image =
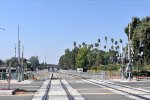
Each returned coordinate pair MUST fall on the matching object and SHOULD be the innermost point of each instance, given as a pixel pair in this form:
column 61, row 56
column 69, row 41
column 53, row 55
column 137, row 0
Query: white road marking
column 115, row 91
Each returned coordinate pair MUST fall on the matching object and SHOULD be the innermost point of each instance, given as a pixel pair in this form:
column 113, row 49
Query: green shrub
column 110, row 67
column 147, row 67
column 94, row 68
column 141, row 73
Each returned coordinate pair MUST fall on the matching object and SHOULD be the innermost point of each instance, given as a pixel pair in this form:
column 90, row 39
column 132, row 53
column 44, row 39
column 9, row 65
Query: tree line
column 32, row 63
column 91, row 55
column 140, row 41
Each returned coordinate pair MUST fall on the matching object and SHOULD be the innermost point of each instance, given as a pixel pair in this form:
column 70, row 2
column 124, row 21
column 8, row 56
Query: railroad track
column 56, row 88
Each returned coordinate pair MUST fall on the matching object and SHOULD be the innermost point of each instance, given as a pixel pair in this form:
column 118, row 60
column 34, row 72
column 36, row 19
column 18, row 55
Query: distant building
column 4, row 72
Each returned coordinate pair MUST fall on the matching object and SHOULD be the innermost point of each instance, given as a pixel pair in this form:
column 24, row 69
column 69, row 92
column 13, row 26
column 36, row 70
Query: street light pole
column 122, row 69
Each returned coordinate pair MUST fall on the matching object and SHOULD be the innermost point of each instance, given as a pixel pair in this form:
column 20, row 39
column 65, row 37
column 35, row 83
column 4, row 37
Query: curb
column 8, row 92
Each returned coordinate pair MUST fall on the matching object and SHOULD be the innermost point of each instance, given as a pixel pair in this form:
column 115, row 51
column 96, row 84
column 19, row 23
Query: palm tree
column 83, row 44
column 79, row 45
column 91, row 45
column 99, row 43
column 118, row 47
column 121, row 46
column 116, row 42
column 112, row 40
column 120, row 40
column 106, row 42
column 105, row 47
column 74, row 43
column 112, row 47
column 96, row 44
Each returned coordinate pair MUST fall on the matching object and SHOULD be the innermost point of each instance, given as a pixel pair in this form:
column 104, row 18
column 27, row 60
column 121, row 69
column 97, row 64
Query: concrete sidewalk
column 127, row 81
column 7, row 91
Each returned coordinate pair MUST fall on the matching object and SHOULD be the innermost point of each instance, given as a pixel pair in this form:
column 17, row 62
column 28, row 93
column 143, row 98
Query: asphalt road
column 87, row 90
column 92, row 92
column 34, row 86
column 138, row 84
column 31, row 88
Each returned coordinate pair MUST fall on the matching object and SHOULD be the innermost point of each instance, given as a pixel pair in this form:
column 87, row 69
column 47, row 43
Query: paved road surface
column 86, row 89
column 92, row 92
column 33, row 86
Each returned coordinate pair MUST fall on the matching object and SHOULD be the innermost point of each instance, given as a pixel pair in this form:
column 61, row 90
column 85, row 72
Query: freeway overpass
column 53, row 67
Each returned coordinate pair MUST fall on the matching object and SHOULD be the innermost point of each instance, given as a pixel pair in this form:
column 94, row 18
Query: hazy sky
column 48, row 27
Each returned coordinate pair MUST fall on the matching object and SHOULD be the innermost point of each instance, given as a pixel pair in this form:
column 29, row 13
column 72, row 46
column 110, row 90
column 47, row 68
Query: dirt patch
column 20, row 92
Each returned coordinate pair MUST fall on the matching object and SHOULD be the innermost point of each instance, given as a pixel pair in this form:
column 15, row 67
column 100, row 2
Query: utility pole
column 22, row 67
column 19, row 65
column 45, row 62
column 15, row 49
column 45, row 59
column 9, row 75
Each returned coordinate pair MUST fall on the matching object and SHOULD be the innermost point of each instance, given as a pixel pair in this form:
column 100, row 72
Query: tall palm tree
column 99, row 43
column 79, row 45
column 105, row 47
column 106, row 42
column 74, row 54
column 112, row 47
column 116, row 42
column 121, row 47
column 91, row 45
column 112, row 40
column 118, row 47
column 83, row 44
column 121, row 42
column 96, row 45
column 74, row 43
